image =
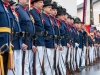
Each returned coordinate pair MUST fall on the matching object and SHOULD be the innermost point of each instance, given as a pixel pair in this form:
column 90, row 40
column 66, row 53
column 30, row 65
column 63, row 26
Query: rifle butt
column 23, row 61
column 34, row 64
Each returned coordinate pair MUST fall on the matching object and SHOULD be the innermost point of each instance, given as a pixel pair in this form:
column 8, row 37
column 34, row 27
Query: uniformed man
column 49, row 39
column 75, row 41
column 99, row 45
column 65, row 14
column 91, row 48
column 96, row 45
column 72, row 43
column 94, row 52
column 27, row 26
column 5, row 30
column 67, row 20
column 73, row 32
column 39, row 28
column 80, row 46
column 69, row 49
column 63, row 34
column 16, row 39
column 57, row 39
column 84, row 37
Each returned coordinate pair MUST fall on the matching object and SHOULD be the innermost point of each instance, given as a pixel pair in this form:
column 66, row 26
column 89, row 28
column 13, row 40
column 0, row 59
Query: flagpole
column 91, row 13
column 84, row 11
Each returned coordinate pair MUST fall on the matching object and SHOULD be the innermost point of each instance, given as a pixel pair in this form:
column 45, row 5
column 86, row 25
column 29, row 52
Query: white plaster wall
column 70, row 5
column 80, row 14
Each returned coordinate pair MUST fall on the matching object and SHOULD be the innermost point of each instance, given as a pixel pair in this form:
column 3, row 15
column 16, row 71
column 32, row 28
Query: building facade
column 96, row 12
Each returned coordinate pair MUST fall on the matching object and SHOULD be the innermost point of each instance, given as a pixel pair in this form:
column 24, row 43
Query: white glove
column 93, row 40
column 76, row 44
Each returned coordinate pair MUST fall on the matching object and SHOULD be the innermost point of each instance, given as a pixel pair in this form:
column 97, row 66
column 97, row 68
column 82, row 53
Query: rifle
column 82, row 49
column 70, row 63
column 24, row 52
column 61, row 65
column 71, row 69
column 56, row 39
column 34, row 64
column 77, row 69
column 43, row 72
column 97, row 58
column 55, row 63
column 86, row 49
column 97, row 54
column 94, row 56
column 66, row 63
column 58, row 69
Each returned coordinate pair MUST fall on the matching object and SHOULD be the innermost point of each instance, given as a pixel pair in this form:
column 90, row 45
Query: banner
column 88, row 28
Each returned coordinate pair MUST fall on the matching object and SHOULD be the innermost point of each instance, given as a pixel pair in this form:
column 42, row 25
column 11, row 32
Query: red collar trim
column 12, row 9
column 52, row 17
column 25, row 8
column 17, row 13
column 58, row 21
column 6, row 4
column 38, row 11
column 46, row 15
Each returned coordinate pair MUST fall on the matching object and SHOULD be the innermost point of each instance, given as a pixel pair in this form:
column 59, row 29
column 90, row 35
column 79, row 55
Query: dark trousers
column 5, row 62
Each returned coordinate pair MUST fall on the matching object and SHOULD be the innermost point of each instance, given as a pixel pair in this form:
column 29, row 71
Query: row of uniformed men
column 96, row 52
column 41, row 34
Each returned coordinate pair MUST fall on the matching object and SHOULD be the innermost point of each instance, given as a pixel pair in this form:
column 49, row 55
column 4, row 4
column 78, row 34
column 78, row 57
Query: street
column 91, row 70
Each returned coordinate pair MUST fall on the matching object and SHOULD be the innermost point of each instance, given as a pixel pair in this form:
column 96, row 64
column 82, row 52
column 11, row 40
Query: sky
column 79, row 2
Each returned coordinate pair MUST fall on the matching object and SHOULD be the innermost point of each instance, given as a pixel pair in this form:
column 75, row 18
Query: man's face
column 48, row 9
column 39, row 4
column 94, row 31
column 83, row 27
column 79, row 25
column 54, row 12
column 7, row 0
column 72, row 21
column 68, row 20
column 75, row 25
column 65, row 17
column 98, row 33
column 25, row 2
column 61, row 17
